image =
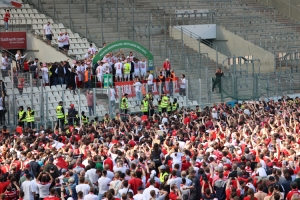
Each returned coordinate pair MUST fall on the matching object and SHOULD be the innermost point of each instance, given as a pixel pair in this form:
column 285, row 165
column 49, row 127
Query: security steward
column 164, row 103
column 21, row 116
column 172, row 79
column 60, row 114
column 162, row 173
column 145, row 106
column 161, row 79
column 84, row 119
column 174, row 105
column 30, row 118
column 124, row 104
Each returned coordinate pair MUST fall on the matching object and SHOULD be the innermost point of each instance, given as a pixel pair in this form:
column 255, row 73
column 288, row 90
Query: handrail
column 206, row 42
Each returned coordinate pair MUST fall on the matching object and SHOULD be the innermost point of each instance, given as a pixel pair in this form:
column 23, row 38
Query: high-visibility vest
column 162, row 176
column 159, row 108
column 20, row 113
column 149, row 96
column 174, row 106
column 84, row 120
column 127, row 67
column 30, row 116
column 59, row 112
column 169, row 107
column 50, row 73
column 145, row 106
column 86, row 76
column 106, row 119
column 164, row 102
column 124, row 105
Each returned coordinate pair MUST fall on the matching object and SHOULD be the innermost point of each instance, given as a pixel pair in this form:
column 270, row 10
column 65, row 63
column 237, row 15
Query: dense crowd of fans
column 250, row 151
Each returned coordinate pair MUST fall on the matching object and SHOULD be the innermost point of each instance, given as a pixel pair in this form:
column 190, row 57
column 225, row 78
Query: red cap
column 27, row 166
column 72, row 105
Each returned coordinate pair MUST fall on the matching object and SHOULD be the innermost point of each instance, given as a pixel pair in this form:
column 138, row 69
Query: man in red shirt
column 167, row 67
column 294, row 191
column 5, row 19
column 134, row 182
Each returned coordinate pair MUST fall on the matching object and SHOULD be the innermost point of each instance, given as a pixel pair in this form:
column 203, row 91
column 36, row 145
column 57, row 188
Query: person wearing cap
column 60, row 114
column 127, row 69
column 124, row 104
column 30, row 118
column 164, row 103
column 60, row 41
column 145, row 106
column 72, row 114
column 21, row 116
column 162, row 173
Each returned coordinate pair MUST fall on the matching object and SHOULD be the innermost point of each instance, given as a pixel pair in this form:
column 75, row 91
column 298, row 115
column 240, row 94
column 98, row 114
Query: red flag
column 16, row 4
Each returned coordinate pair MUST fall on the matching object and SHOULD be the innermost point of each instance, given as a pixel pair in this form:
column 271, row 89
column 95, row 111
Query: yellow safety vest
column 124, row 105
column 145, row 106
column 174, row 106
column 169, row 107
column 164, row 102
column 127, row 67
column 149, row 96
column 162, row 177
column 30, row 116
column 84, row 119
column 50, row 73
column 21, row 115
column 59, row 112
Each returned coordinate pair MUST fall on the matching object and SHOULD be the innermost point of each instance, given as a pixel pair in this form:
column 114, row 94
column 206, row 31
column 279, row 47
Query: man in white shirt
column 92, row 49
column 138, row 92
column 139, row 195
column 82, row 186
column 45, row 71
column 4, row 65
column 136, row 68
column 60, row 41
column 112, row 95
column 120, row 167
column 176, row 158
column 147, row 191
column 143, row 68
column 182, row 85
column 27, row 188
column 174, row 179
column 125, row 189
column 103, row 184
column 80, row 72
column 91, row 173
column 91, row 195
column 66, row 43
column 48, row 32
column 118, row 67
column 150, row 81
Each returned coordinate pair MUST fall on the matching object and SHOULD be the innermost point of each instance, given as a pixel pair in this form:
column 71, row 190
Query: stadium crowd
column 250, row 151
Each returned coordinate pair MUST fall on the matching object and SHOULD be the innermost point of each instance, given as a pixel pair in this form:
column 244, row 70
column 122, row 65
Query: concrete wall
column 36, row 48
column 194, row 44
column 237, row 46
column 289, row 8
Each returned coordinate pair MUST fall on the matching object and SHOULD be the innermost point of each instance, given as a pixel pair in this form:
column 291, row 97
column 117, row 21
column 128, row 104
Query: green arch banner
column 126, row 44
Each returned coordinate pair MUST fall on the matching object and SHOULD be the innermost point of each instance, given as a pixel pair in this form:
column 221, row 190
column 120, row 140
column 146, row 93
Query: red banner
column 127, row 87
column 13, row 40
